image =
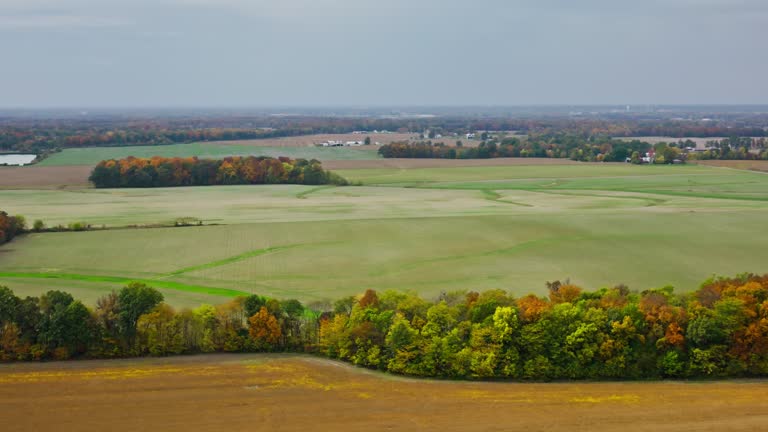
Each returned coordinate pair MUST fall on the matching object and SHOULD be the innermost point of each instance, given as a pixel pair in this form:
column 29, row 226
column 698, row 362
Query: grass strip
column 224, row 292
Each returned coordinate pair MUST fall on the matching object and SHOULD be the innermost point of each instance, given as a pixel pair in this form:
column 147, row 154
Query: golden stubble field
column 286, row 393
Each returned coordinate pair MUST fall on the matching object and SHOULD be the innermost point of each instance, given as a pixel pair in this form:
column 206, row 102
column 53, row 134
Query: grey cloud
column 288, row 52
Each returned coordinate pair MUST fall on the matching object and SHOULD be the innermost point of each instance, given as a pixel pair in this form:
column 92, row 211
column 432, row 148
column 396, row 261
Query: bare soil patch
column 273, row 392
column 311, row 140
column 44, row 177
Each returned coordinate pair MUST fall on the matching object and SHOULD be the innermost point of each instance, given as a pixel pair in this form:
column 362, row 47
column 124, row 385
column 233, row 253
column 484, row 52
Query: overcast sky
column 213, row 53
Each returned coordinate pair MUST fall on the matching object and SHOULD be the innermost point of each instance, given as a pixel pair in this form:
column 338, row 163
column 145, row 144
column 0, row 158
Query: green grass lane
column 224, row 292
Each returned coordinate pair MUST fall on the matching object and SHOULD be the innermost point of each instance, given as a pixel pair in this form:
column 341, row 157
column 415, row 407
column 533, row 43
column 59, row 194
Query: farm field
column 471, row 228
column 76, row 176
column 284, row 392
column 37, row 177
column 311, row 140
column 752, row 165
column 91, row 156
column 295, row 147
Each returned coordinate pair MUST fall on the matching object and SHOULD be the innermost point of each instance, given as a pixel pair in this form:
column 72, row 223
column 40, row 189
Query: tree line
column 11, row 226
column 579, row 148
column 165, row 172
column 719, row 330
column 33, row 134
column 39, row 135
column 550, row 146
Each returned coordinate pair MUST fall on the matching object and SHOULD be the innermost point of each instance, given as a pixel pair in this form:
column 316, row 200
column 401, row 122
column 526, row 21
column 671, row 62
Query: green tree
column 253, row 303
column 65, row 325
column 38, row 225
column 133, row 301
column 9, row 303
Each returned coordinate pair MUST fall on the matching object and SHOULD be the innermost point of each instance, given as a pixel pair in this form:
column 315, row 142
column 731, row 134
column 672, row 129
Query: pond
column 16, row 159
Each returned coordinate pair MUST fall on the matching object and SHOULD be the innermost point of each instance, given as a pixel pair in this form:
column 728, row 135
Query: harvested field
column 76, row 176
column 468, row 228
column 751, row 165
column 40, row 177
column 284, row 392
column 92, row 155
column 446, row 163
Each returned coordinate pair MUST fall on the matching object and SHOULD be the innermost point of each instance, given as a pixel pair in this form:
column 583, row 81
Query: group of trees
column 11, row 226
column 163, row 172
column 544, row 146
column 134, row 321
column 720, row 330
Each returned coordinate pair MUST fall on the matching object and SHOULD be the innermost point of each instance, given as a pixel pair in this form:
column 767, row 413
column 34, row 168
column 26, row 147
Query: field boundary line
column 492, row 195
column 231, row 260
column 651, row 202
column 304, row 194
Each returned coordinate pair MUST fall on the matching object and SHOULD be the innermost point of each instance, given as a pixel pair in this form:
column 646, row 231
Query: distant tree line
column 550, row 146
column 165, row 172
column 579, row 148
column 39, row 135
column 720, row 330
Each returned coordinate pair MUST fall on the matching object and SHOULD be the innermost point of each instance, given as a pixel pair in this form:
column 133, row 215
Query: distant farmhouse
column 332, row 143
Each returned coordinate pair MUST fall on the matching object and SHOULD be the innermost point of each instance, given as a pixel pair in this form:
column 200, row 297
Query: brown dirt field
column 442, row 163
column 310, row 140
column 759, row 165
column 44, row 177
column 288, row 393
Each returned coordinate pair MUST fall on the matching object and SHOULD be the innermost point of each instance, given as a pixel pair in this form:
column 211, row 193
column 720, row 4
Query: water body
column 16, row 159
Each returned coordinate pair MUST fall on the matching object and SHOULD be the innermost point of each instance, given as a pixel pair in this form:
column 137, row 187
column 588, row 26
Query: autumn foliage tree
column 165, row 172
column 11, row 226
column 264, row 329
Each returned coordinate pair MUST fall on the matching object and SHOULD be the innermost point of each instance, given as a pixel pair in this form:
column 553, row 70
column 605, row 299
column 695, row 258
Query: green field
column 428, row 230
column 92, row 155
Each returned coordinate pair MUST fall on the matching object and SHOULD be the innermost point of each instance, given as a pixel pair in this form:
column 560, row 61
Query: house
column 649, row 157
column 470, row 136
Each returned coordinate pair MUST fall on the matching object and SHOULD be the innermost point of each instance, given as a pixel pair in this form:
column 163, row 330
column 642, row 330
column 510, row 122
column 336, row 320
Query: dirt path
column 288, row 393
